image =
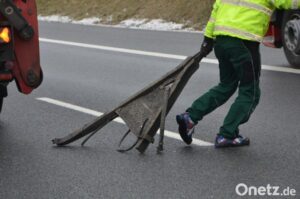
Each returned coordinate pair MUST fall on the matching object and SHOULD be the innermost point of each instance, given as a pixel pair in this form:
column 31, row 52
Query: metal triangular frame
column 144, row 113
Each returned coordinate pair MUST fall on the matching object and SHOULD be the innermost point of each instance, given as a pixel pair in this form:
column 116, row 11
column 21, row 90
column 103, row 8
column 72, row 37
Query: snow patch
column 132, row 23
column 154, row 24
column 56, row 18
column 66, row 19
column 88, row 21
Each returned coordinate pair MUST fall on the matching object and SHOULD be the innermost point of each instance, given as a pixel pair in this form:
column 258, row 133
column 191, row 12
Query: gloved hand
column 207, row 46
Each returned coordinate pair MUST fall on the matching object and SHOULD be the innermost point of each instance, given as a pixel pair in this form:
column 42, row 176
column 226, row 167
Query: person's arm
column 208, row 41
column 210, row 26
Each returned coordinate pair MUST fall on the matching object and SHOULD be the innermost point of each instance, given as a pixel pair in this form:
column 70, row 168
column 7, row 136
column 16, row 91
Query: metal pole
column 160, row 146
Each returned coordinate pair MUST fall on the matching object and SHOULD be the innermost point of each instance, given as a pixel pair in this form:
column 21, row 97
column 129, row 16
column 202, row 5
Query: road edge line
column 169, row 134
column 156, row 54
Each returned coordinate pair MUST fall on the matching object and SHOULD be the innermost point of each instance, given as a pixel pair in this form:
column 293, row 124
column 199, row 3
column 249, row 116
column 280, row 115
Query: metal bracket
column 145, row 112
column 167, row 91
column 12, row 13
column 135, row 143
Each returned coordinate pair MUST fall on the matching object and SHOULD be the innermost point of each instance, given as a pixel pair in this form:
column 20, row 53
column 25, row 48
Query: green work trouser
column 240, row 65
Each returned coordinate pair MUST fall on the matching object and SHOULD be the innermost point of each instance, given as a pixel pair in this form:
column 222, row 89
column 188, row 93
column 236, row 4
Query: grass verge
column 192, row 13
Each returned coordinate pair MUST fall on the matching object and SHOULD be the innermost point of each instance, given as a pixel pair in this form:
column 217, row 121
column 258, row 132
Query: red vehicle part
column 273, row 37
column 26, row 69
column 284, row 31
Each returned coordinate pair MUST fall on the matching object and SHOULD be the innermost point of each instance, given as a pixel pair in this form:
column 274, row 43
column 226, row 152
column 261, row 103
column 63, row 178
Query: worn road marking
column 156, row 54
column 119, row 120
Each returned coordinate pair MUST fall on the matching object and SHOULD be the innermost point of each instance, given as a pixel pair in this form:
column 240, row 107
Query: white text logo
column 245, row 190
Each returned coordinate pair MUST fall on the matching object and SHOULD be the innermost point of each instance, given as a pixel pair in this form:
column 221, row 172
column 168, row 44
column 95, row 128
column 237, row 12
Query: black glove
column 207, row 46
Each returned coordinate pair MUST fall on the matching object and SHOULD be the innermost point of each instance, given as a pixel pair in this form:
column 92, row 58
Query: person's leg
column 214, row 98
column 246, row 61
column 219, row 94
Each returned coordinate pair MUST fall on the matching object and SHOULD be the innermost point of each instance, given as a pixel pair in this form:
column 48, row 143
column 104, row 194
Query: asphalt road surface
column 87, row 77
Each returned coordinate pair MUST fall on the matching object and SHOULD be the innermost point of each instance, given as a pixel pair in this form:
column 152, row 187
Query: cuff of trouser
column 227, row 134
column 192, row 115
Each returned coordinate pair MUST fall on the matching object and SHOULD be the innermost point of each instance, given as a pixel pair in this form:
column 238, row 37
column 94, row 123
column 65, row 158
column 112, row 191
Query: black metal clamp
column 10, row 11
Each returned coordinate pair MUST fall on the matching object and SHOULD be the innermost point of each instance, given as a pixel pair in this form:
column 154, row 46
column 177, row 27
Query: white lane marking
column 108, row 48
column 118, row 120
column 156, row 54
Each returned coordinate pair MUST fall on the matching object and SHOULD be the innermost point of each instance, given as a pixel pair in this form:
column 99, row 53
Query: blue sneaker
column 222, row 142
column 186, row 127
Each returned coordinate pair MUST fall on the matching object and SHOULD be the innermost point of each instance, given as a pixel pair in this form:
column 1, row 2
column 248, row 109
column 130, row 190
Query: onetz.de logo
column 269, row 190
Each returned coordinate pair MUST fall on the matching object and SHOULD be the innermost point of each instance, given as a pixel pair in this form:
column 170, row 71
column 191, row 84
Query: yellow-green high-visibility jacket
column 245, row 19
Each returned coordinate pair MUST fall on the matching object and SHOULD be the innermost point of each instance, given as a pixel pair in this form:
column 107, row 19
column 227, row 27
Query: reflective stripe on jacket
column 245, row 19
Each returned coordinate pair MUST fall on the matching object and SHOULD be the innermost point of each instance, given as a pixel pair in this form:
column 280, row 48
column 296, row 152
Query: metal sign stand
column 145, row 112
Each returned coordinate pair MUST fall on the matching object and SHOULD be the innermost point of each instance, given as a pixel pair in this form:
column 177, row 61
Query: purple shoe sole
column 230, row 143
